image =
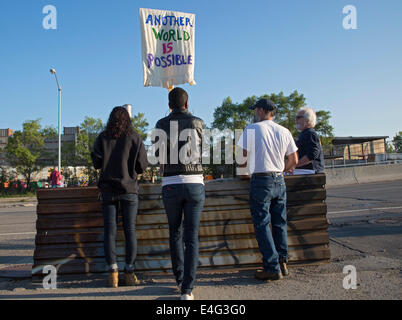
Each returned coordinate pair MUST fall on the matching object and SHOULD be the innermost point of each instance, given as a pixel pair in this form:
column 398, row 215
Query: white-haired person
column 309, row 147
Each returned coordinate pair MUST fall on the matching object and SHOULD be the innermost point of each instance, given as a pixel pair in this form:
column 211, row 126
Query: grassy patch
column 18, row 195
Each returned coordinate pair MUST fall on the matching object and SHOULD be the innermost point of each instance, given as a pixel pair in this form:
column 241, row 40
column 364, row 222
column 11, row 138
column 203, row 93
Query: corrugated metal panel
column 70, row 227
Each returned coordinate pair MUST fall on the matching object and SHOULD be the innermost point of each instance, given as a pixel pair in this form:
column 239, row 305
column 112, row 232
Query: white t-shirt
column 183, row 178
column 271, row 143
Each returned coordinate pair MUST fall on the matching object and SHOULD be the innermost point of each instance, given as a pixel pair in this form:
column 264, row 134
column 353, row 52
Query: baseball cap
column 265, row 104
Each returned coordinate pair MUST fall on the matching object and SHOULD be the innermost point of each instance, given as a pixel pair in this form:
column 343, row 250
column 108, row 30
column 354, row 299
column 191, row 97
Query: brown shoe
column 130, row 279
column 284, row 268
column 113, row 279
column 263, row 275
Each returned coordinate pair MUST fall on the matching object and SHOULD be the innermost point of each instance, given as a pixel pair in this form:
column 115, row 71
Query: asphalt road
column 365, row 232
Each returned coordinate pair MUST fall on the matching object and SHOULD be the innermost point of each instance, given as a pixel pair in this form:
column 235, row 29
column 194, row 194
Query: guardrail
column 363, row 174
column 70, row 228
column 347, row 165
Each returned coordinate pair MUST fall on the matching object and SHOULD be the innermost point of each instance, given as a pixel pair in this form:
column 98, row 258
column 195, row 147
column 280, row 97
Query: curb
column 18, row 200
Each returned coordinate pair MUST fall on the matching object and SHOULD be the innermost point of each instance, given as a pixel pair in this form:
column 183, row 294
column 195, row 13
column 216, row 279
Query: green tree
column 233, row 115
column 397, row 142
column 389, row 147
column 288, row 107
column 49, row 132
column 230, row 116
column 24, row 149
column 323, row 128
column 90, row 129
column 237, row 115
column 140, row 125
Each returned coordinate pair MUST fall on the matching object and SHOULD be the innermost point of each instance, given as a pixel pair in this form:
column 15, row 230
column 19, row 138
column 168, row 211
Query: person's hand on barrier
column 289, row 172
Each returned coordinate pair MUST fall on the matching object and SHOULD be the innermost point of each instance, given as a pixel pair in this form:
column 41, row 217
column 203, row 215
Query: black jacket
column 309, row 145
column 120, row 160
column 185, row 120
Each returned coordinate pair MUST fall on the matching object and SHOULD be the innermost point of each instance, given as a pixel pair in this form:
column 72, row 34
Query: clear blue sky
column 243, row 48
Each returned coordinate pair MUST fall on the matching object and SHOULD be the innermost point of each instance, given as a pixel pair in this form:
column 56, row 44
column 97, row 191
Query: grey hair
column 310, row 116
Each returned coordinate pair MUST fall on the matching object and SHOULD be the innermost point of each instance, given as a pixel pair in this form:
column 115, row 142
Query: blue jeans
column 189, row 199
column 268, row 205
column 110, row 207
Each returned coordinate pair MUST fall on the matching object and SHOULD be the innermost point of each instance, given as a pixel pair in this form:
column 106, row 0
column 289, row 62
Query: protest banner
column 168, row 47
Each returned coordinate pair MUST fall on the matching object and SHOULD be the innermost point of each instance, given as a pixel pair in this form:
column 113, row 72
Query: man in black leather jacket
column 182, row 187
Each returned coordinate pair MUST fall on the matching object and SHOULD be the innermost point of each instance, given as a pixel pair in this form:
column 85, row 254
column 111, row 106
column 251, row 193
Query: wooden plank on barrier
column 292, row 183
column 161, row 231
column 297, row 230
column 300, row 238
column 302, row 196
column 92, row 250
column 310, row 181
column 67, row 193
column 85, row 219
column 309, row 209
column 235, row 258
column 60, row 209
column 63, row 208
column 96, row 220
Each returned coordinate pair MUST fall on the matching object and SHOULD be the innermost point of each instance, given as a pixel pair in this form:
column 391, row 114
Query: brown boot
column 284, row 268
column 113, row 279
column 130, row 279
column 263, row 275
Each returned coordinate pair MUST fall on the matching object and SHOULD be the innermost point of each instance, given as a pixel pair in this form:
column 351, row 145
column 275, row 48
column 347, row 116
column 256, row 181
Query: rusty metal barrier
column 70, row 228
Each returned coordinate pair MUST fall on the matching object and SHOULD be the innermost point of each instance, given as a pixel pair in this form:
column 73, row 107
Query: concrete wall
column 363, row 174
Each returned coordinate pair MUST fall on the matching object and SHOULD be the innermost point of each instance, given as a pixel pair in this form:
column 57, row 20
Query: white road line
column 15, row 234
column 360, row 210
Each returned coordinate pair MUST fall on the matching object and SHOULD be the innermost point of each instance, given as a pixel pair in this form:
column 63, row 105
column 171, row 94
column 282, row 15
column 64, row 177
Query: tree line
column 26, row 147
column 26, row 152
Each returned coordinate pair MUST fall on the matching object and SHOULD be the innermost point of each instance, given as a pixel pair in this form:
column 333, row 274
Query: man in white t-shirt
column 266, row 143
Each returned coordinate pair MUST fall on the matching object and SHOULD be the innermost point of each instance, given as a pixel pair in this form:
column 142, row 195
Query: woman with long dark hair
column 120, row 154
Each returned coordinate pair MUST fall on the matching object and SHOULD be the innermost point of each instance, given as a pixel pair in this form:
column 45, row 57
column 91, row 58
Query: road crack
column 346, row 246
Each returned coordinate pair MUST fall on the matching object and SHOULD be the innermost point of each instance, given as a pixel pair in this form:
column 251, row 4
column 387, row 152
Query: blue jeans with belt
column 187, row 199
column 110, row 207
column 268, row 205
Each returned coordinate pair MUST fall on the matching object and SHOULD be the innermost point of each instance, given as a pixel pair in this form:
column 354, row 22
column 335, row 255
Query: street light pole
column 53, row 71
